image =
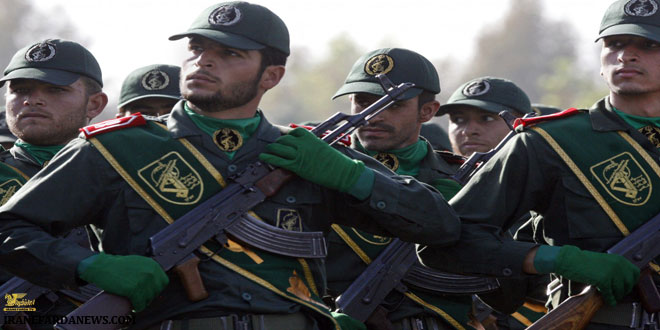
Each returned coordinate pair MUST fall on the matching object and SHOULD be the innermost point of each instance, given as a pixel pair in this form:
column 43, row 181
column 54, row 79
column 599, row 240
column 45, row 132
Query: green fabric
column 363, row 186
column 156, row 80
column 246, row 127
column 108, row 272
column 41, row 154
column 348, row 323
column 489, row 94
column 409, row 157
column 612, row 274
column 447, row 187
column 544, row 260
column 637, row 121
column 312, row 159
column 10, row 181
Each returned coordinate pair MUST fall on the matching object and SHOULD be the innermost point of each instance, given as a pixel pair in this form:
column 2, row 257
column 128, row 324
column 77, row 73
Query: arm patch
column 110, row 125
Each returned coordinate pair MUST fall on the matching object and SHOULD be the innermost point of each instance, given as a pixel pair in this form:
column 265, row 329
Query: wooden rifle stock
column 573, row 314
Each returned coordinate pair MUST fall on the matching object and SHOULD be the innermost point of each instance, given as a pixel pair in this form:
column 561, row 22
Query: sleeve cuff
column 362, row 188
column 544, row 261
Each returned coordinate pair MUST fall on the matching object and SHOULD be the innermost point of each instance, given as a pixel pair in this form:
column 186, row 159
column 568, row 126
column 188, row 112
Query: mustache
column 381, row 126
column 202, row 72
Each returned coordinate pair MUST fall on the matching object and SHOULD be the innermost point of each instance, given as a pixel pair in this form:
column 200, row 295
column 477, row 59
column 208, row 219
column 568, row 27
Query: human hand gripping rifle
column 640, row 248
column 175, row 246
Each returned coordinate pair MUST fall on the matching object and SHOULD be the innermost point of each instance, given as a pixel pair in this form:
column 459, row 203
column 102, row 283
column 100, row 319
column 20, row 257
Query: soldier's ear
column 95, row 104
column 271, row 76
column 428, row 110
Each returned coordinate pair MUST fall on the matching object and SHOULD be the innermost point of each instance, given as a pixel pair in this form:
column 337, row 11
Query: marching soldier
column 236, row 52
column 590, row 173
column 152, row 90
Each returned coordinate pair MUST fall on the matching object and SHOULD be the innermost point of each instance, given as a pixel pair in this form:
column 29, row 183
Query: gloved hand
column 613, row 275
column 138, row 278
column 312, row 159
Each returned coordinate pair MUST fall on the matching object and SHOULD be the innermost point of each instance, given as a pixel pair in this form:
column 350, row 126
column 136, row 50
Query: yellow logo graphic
column 372, row 239
column 298, row 288
column 624, row 179
column 289, row 219
column 173, row 179
column 389, row 160
column 15, row 303
column 379, row 64
column 652, row 133
column 7, row 189
column 228, row 139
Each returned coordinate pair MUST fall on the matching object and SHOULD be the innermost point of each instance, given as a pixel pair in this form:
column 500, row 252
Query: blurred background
column 545, row 46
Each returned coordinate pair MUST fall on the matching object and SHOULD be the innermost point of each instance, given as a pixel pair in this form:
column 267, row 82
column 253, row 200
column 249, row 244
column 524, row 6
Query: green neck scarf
column 637, row 121
column 409, row 157
column 245, row 127
column 41, row 154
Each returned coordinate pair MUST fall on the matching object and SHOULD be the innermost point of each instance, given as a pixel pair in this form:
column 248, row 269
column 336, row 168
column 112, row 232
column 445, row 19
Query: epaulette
column 531, row 121
column 344, row 140
column 450, row 157
column 110, row 125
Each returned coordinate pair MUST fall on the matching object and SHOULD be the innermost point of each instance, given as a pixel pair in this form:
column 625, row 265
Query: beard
column 234, row 96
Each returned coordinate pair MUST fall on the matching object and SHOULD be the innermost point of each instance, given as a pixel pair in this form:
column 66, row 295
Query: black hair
column 424, row 98
column 91, row 86
column 271, row 56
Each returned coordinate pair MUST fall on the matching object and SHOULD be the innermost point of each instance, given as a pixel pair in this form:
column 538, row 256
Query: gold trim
column 522, row 319
column 538, row 308
column 308, row 276
column 113, row 162
column 645, row 155
column 349, row 241
column 18, row 171
column 597, row 196
column 267, row 285
column 207, row 165
column 440, row 312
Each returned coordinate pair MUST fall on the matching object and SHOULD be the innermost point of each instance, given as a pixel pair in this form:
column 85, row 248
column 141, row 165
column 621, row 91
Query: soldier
column 151, row 90
column 590, row 173
column 393, row 138
column 474, row 125
column 236, row 52
column 7, row 139
column 50, row 95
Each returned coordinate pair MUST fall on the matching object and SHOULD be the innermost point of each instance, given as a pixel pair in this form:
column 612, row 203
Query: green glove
column 613, row 275
column 314, row 160
column 138, row 278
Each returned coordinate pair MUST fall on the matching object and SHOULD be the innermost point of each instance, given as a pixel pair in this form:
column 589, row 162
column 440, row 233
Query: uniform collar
column 603, row 118
column 433, row 165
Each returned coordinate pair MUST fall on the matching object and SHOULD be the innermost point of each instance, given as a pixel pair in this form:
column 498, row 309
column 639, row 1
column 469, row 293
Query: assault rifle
column 225, row 213
column 640, row 248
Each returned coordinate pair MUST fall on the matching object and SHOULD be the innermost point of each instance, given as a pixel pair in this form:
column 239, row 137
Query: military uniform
column 527, row 174
column 127, row 221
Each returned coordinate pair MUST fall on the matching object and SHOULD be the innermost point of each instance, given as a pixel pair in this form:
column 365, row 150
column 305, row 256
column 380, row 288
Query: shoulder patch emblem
column 155, row 80
column 652, row 133
column 623, row 179
column 379, row 64
column 225, row 15
column 390, row 161
column 133, row 120
column 640, row 8
column 372, row 239
column 173, row 179
column 289, row 219
column 531, row 121
column 228, row 139
column 7, row 189
column 476, row 88
column 41, row 52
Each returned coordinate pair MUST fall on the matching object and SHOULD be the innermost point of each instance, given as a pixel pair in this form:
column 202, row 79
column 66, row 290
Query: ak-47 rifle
column 175, row 246
column 397, row 265
column 640, row 248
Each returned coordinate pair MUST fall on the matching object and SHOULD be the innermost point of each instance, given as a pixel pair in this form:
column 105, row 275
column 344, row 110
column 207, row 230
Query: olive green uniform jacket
column 527, row 174
column 46, row 206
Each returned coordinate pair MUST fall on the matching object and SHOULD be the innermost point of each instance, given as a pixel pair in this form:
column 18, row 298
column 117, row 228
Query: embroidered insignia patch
column 173, row 179
column 41, row 52
column 476, row 88
column 7, row 189
column 228, row 139
column 298, row 288
column 624, row 179
column 372, row 239
column 155, row 80
column 640, row 8
column 289, row 219
column 225, row 15
column 652, row 133
column 379, row 64
column 390, row 161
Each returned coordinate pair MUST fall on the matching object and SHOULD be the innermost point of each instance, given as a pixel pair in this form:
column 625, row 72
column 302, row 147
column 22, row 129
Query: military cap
column 636, row 17
column 241, row 25
column 400, row 65
column 156, row 80
column 490, row 94
column 55, row 61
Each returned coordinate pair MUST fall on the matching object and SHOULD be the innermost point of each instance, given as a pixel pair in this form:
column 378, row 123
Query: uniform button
column 291, row 199
column 507, row 272
column 246, row 296
column 231, row 168
column 381, row 205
